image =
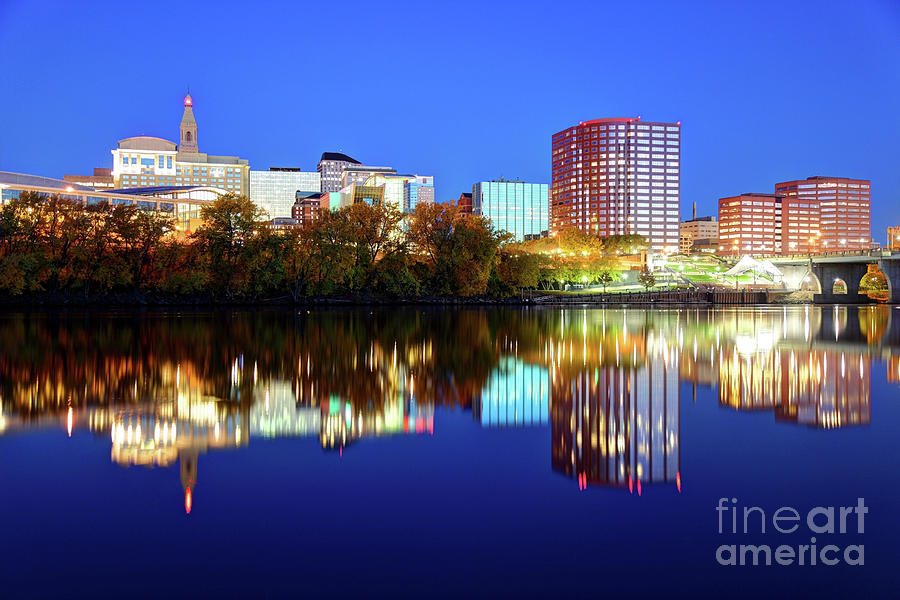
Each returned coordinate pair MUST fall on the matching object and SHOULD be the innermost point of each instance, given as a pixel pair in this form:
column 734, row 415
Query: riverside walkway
column 696, row 297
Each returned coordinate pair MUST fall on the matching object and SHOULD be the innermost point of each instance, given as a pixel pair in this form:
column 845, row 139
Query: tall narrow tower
column 188, row 140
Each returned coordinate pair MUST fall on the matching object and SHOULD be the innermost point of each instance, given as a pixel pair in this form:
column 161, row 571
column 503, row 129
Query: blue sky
column 465, row 91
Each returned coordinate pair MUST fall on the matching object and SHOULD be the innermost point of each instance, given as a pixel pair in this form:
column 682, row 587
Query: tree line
column 50, row 245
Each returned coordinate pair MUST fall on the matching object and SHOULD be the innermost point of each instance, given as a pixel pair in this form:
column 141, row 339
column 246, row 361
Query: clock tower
column 188, row 140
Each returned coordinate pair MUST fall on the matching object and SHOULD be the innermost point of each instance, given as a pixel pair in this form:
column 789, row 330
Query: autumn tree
column 374, row 232
column 457, row 250
column 520, row 270
column 230, row 233
column 140, row 235
column 625, row 244
column 573, row 240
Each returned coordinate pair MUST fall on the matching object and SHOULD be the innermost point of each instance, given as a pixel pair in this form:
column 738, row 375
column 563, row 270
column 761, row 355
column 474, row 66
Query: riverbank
column 713, row 297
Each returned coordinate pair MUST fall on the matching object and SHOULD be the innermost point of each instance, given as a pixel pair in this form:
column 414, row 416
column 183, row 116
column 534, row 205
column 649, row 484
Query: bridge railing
column 836, row 253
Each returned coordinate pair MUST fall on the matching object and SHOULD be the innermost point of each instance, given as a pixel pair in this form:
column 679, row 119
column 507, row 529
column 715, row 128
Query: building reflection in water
column 615, row 417
column 164, row 389
column 816, row 388
column 516, row 394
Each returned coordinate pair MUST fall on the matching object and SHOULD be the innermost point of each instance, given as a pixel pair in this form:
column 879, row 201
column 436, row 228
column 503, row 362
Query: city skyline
column 770, row 137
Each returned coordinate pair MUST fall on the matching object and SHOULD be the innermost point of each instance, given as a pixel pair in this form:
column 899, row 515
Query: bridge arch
column 839, row 287
column 875, row 284
column 811, row 283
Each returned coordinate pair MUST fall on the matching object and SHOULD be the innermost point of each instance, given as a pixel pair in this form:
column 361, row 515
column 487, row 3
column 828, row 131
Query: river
column 536, row 452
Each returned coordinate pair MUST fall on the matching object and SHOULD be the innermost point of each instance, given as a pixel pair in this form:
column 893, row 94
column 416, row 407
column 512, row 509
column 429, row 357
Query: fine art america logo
column 836, row 524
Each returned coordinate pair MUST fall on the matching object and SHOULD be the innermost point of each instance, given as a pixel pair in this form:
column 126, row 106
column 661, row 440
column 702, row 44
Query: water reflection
column 167, row 388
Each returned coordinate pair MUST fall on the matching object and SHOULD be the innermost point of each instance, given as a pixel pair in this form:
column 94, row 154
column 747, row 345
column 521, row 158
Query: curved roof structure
column 166, row 189
column 11, row 178
column 143, row 142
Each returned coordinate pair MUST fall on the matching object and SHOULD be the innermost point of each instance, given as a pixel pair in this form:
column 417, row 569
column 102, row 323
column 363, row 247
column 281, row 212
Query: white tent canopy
column 771, row 269
column 748, row 263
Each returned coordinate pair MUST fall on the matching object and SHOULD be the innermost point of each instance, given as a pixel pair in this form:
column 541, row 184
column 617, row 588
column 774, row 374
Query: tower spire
column 188, row 139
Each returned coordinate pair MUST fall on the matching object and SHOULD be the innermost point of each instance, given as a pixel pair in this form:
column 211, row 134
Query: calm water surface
column 452, row 453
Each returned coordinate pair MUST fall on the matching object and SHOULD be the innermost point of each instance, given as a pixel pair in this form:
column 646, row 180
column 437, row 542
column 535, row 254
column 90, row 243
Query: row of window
column 619, row 127
column 806, row 186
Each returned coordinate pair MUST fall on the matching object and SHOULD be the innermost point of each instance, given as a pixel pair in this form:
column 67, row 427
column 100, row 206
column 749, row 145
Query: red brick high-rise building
column 618, row 176
column 825, row 214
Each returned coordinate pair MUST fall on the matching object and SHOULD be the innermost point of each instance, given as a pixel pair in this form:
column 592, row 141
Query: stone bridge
column 820, row 273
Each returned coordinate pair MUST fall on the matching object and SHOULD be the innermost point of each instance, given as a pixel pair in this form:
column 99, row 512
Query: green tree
column 605, row 278
column 646, row 278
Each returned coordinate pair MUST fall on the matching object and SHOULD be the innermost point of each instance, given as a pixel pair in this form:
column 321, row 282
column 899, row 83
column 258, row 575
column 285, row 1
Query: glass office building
column 418, row 189
column 275, row 190
column 520, row 208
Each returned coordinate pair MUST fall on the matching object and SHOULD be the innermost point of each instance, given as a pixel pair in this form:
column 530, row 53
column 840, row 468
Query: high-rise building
column 825, row 214
column 514, row 206
column 275, row 190
column 331, row 168
column 618, row 176
column 145, row 161
column 417, row 189
column 750, row 224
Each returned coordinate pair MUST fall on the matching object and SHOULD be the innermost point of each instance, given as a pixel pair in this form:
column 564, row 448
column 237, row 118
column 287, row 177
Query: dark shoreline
column 667, row 298
column 7, row 304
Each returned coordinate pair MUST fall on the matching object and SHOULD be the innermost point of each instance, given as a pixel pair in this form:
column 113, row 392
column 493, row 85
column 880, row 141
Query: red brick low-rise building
column 750, row 224
column 813, row 215
column 465, row 203
column 306, row 210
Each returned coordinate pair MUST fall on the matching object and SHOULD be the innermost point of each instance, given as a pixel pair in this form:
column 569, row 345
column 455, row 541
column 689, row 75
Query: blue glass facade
column 419, row 189
column 520, row 208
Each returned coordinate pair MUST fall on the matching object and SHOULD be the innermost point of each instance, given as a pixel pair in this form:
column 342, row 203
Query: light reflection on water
column 166, row 388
